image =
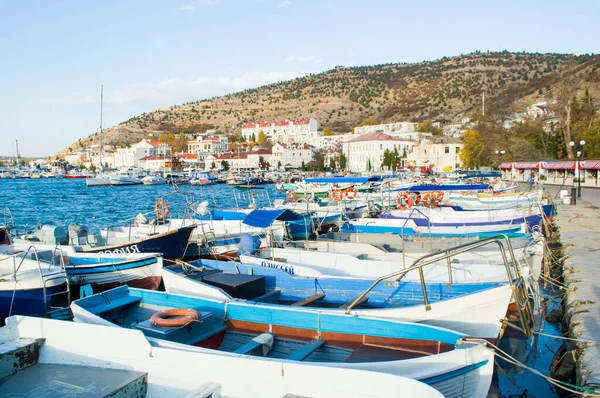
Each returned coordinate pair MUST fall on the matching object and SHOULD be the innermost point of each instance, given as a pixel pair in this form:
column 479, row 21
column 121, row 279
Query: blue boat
column 436, row 356
column 299, row 225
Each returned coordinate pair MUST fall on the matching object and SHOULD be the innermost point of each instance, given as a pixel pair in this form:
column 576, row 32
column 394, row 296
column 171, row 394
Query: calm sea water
column 64, row 202
column 70, row 201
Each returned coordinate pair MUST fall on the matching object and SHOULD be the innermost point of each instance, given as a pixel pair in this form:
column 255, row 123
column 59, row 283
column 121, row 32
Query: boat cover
column 264, row 218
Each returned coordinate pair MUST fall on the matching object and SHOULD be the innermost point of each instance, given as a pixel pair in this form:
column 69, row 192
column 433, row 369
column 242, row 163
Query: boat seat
column 109, row 306
column 362, row 301
column 250, row 346
column 308, row 300
column 306, row 350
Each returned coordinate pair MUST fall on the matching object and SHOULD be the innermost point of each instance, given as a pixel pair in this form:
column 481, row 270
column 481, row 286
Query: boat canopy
column 264, row 218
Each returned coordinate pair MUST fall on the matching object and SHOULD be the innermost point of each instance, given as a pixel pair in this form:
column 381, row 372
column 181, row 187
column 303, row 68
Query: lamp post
column 500, row 154
column 578, row 155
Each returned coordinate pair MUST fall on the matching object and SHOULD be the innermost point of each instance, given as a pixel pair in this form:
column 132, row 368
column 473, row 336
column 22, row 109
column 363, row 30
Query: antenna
column 483, row 103
column 101, row 103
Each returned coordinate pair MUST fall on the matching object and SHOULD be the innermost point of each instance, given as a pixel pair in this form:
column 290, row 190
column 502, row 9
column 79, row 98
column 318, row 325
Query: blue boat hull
column 25, row 302
column 171, row 244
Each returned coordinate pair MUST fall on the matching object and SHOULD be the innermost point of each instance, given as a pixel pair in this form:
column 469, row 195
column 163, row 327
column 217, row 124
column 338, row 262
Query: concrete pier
column 580, row 235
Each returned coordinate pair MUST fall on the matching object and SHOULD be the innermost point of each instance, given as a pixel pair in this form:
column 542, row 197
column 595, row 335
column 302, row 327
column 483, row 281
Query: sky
column 55, row 55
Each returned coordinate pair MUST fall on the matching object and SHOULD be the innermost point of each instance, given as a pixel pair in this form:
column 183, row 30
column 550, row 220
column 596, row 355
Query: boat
column 119, row 240
column 124, row 177
column 28, row 286
column 444, row 359
column 473, row 308
column 153, row 180
column 58, row 358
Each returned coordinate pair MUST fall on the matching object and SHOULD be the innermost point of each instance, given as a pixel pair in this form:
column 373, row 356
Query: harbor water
column 70, row 201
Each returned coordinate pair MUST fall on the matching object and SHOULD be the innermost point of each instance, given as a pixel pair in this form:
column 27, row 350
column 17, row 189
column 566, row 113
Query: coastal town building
column 208, row 144
column 130, row 157
column 284, row 131
column 243, row 161
column 79, row 157
column 438, row 153
column 292, row 155
column 366, row 151
column 389, row 128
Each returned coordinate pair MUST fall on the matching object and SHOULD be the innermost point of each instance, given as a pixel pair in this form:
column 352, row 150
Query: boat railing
column 412, row 210
column 45, row 278
column 9, row 220
column 518, row 285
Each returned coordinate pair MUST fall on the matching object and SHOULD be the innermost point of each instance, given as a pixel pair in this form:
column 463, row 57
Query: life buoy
column 440, row 196
column 164, row 319
column 429, row 200
column 465, row 193
column 291, row 196
column 337, row 195
column 404, row 201
column 161, row 208
column 351, row 193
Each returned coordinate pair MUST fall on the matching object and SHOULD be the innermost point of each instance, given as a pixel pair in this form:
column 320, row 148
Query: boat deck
column 55, row 380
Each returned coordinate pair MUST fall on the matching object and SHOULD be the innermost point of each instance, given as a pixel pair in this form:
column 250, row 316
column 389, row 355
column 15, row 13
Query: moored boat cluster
column 361, row 284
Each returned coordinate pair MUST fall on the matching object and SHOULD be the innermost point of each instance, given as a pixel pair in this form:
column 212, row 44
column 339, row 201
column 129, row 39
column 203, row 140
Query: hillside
column 339, row 99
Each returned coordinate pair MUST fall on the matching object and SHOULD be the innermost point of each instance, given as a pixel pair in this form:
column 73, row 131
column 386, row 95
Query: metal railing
column 516, row 281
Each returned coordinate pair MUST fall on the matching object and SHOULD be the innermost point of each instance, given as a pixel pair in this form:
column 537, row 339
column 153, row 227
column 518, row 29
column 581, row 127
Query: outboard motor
column 140, row 219
column 249, row 244
column 78, row 234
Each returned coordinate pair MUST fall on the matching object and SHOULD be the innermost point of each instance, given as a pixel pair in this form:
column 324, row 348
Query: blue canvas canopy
column 264, row 218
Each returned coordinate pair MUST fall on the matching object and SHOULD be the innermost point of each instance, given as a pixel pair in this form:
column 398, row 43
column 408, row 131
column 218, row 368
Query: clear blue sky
column 54, row 55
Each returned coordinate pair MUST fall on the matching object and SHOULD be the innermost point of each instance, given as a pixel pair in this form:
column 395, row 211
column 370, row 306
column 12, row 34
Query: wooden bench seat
column 306, row 350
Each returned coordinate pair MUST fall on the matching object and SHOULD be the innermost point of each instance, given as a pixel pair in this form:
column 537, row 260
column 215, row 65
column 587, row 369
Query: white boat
column 98, row 180
column 154, row 180
column 89, row 358
column 124, row 178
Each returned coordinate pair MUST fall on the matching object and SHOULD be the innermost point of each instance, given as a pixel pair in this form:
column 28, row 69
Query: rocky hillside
column 339, row 99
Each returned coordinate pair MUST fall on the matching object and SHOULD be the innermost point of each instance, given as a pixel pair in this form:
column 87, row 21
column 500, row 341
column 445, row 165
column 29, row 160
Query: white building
column 439, row 153
column 331, row 142
column 369, row 149
column 292, row 155
column 284, row 131
column 208, row 144
column 130, row 157
column 241, row 160
column 389, row 128
column 79, row 157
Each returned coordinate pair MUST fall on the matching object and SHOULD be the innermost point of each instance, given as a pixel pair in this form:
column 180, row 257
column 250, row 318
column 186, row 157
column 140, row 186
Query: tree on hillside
column 327, row 132
column 342, row 161
column 426, row 126
column 368, row 122
column 262, row 137
column 472, row 153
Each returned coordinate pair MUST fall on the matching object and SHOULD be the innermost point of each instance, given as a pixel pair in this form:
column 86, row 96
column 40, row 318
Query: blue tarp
column 337, row 180
column 264, row 218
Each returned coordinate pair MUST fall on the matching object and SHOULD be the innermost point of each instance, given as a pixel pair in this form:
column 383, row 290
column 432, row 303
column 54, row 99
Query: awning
column 527, row 165
column 590, row 164
column 560, row 165
column 506, row 166
column 337, row 180
column 264, row 218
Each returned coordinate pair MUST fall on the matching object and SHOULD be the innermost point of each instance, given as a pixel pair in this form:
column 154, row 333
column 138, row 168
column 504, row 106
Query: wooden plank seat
column 104, row 306
column 306, row 350
column 308, row 300
column 250, row 346
column 360, row 302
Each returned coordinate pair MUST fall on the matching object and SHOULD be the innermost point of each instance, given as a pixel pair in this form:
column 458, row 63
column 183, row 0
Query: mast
column 18, row 155
column 101, row 102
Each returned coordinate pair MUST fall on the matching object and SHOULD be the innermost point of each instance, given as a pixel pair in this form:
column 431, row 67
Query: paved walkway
column 580, row 235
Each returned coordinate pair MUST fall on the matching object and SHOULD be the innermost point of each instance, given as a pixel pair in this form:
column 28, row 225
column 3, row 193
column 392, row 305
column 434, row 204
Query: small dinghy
column 442, row 358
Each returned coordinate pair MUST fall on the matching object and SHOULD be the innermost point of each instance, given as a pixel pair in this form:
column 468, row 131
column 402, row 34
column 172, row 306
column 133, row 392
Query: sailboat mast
column 101, row 102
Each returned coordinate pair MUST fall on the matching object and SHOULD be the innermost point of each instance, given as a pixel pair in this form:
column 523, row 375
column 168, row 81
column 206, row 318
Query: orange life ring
column 465, row 193
column 440, row 195
column 351, row 193
column 430, row 200
column 161, row 208
column 163, row 318
column 337, row 195
column 404, row 201
column 291, row 196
